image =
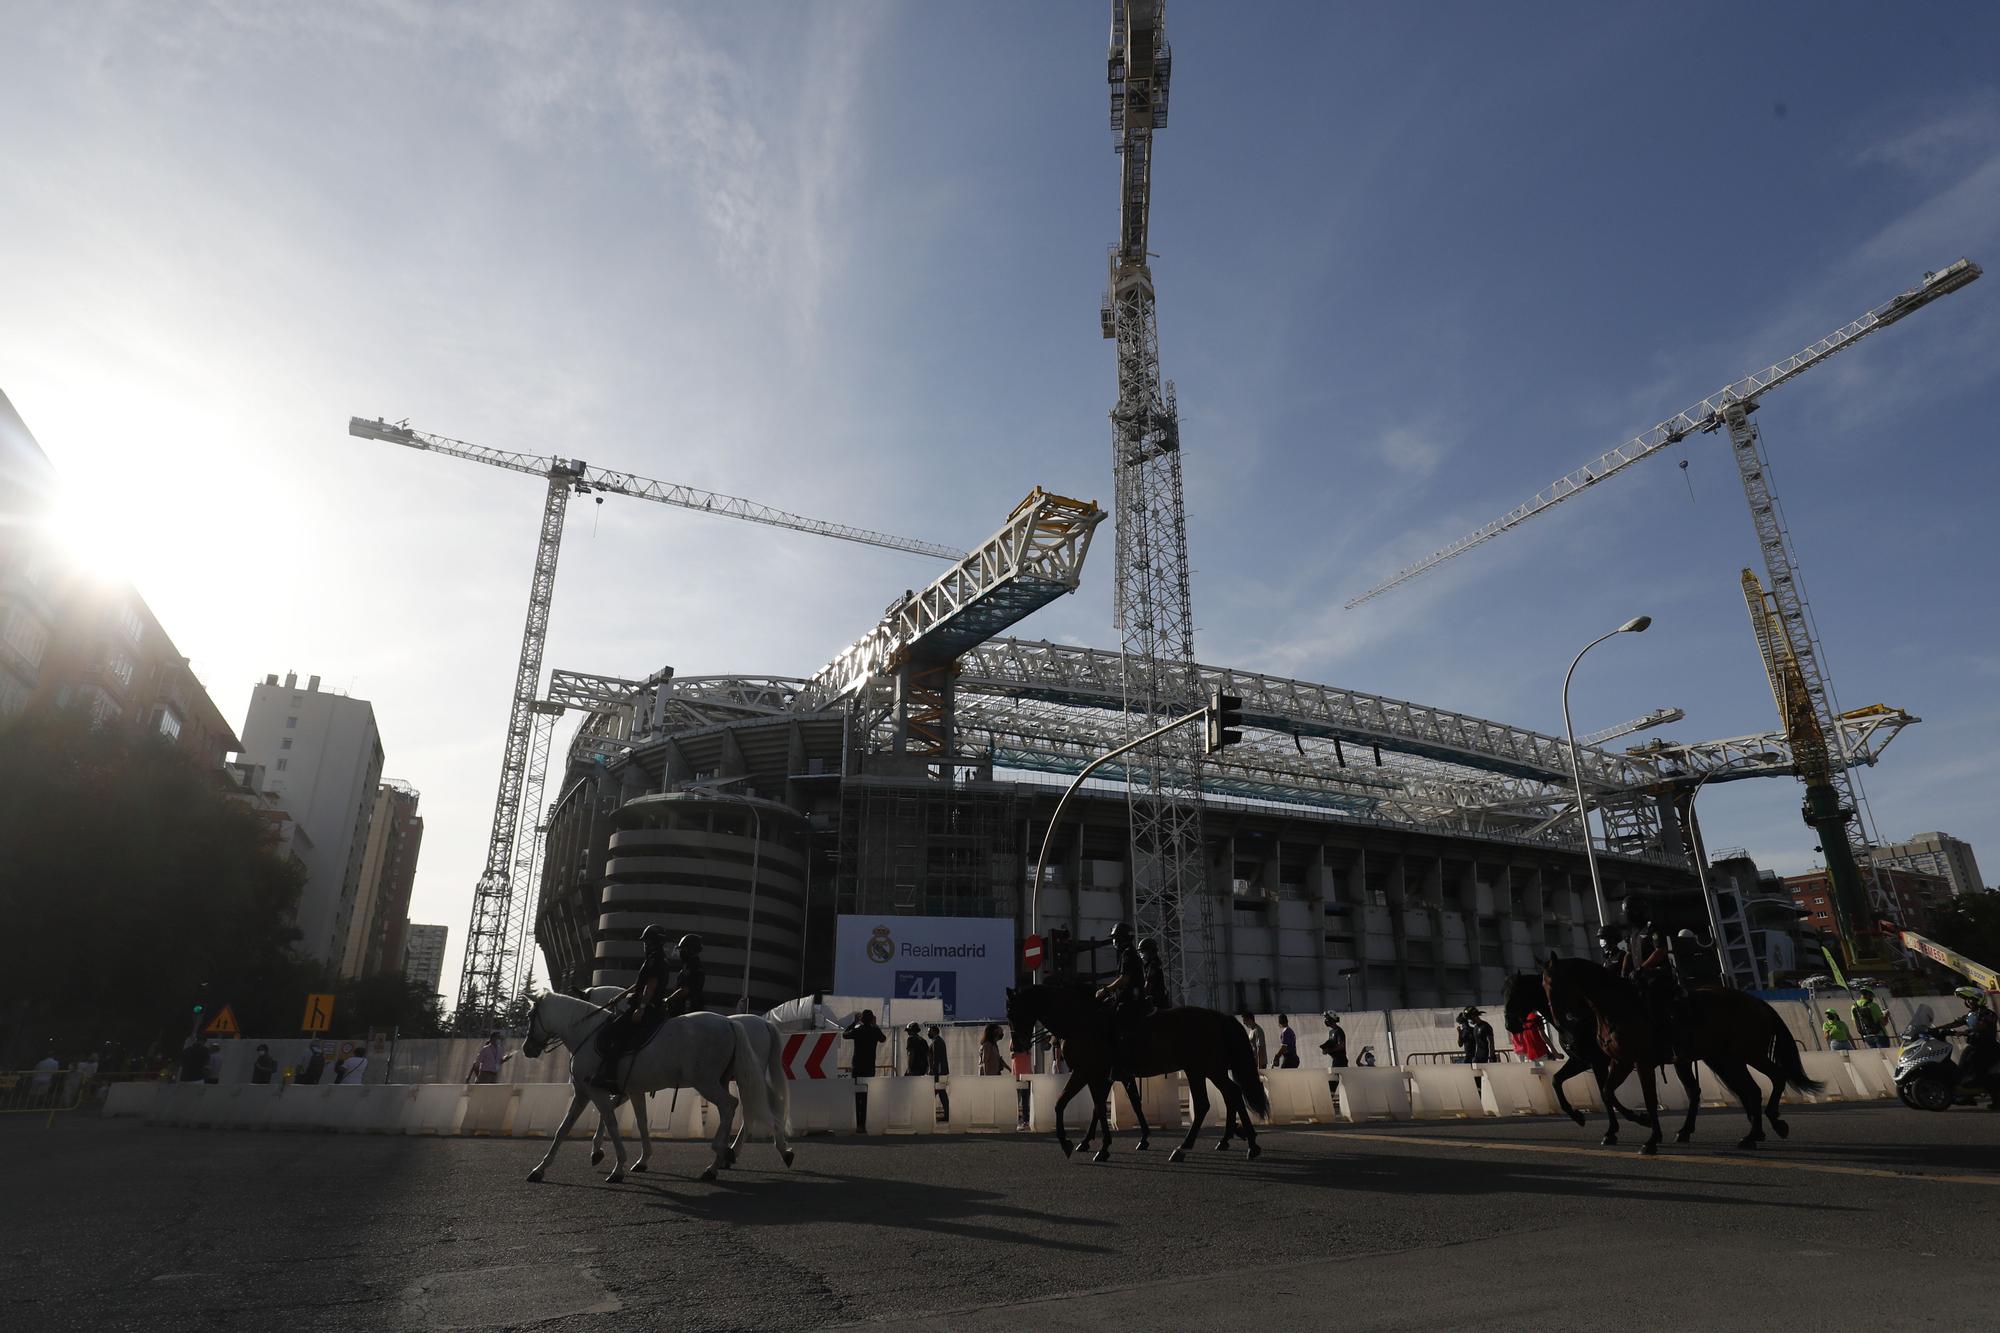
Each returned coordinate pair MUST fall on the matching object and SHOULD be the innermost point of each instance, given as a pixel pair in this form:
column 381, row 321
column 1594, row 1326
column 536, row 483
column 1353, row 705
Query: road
column 1867, row 1216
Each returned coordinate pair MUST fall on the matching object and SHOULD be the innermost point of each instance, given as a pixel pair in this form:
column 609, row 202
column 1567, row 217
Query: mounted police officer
column 690, row 980
column 1649, row 965
column 1126, row 994
column 642, row 1000
column 1156, row 994
column 1611, row 946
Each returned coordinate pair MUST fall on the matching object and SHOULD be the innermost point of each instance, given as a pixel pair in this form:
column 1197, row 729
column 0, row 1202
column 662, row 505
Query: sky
column 1413, row 264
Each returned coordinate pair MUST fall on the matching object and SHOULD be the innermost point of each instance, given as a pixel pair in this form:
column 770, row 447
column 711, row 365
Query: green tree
column 132, row 884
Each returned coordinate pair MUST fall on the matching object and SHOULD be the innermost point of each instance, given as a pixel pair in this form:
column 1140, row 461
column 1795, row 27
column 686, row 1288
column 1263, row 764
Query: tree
column 1970, row 923
column 134, row 885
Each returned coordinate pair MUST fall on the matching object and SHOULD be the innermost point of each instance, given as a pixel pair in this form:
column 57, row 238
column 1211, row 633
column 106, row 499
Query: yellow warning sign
column 319, row 1013
column 223, row 1024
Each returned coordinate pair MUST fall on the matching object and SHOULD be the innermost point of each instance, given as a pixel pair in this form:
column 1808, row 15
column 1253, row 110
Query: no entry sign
column 1031, row 953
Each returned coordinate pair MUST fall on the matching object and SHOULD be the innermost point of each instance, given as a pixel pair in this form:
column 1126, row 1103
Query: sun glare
column 97, row 536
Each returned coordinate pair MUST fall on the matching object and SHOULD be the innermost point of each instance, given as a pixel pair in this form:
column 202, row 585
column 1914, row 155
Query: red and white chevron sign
column 806, row 1053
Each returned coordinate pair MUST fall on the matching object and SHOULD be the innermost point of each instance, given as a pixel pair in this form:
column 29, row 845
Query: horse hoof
column 1609, row 1140
column 535, row 1176
column 1784, row 1127
column 707, row 1177
column 1580, row 1119
column 615, row 1178
column 1255, row 1152
column 1683, row 1136
column 1748, row 1141
column 1101, row 1155
column 787, row 1154
column 1069, row 1149
column 1222, row 1146
column 1143, row 1145
column 1649, row 1150
column 638, row 1166
column 1177, row 1155
column 596, row 1156
column 729, row 1157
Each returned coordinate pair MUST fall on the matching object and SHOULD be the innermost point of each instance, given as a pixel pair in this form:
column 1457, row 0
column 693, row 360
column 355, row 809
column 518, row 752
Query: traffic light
column 1062, row 955
column 198, row 1007
column 1225, row 715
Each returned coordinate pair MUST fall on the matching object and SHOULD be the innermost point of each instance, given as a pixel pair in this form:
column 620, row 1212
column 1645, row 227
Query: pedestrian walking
column 1257, row 1045
column 1838, row 1038
column 1288, row 1044
column 1335, row 1045
column 940, row 1070
column 1531, row 1042
column 487, row 1060
column 353, row 1068
column 1871, row 1024
column 315, row 1066
column 916, row 1052
column 990, row 1059
column 263, row 1067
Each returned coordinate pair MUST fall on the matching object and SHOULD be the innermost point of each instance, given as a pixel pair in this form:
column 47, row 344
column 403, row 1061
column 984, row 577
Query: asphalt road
column 1867, row 1217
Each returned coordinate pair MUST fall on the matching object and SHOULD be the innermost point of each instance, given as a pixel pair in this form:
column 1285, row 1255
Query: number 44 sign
column 930, row 986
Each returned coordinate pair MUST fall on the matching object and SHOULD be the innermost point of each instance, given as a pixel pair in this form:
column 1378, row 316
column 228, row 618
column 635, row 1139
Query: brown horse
column 1208, row 1046
column 1733, row 1032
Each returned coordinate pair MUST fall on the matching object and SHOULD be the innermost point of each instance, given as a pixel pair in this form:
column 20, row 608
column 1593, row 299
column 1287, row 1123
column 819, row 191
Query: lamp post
column 1636, row 625
column 1701, row 864
column 1349, row 972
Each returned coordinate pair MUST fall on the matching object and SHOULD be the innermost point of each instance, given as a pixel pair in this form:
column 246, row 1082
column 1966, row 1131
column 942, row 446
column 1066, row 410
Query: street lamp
column 1349, row 972
column 1636, row 625
column 1701, row 864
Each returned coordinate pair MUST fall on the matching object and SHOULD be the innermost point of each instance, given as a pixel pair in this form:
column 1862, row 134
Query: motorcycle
column 1927, row 1070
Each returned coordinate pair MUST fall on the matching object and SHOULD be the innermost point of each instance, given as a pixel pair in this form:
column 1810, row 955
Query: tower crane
column 1786, row 640
column 1659, row 717
column 1155, row 620
column 497, row 900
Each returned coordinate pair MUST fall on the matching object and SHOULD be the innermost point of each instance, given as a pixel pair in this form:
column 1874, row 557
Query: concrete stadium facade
column 1311, row 908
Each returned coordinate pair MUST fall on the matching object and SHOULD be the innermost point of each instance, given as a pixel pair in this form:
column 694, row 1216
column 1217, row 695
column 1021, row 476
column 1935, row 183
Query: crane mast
column 495, row 962
column 1151, row 597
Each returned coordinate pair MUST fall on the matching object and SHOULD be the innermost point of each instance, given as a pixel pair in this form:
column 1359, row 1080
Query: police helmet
column 1120, row 933
column 1685, row 934
column 691, row 943
column 1608, row 936
column 654, row 937
column 912, row 1027
column 1149, row 946
column 1974, row 997
column 1636, row 910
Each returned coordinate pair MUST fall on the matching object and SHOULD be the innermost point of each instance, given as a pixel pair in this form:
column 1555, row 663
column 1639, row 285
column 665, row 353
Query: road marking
column 1820, row 1168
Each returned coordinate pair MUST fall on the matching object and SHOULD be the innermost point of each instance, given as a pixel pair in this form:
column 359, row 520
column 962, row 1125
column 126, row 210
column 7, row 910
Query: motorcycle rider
column 1982, row 1042
column 1125, row 993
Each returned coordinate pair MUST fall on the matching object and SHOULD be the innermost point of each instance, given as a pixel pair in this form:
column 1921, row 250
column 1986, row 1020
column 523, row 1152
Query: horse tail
column 777, row 1088
column 748, row 1071
column 1785, row 1055
column 1243, row 1067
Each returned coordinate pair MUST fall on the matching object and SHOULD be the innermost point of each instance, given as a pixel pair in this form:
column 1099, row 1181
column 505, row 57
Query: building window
column 130, row 624
column 282, row 763
column 119, row 667
column 285, row 744
column 170, row 725
column 291, row 724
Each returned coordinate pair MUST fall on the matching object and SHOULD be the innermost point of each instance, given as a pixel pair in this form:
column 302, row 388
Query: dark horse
column 1208, row 1046
column 1524, row 997
column 1733, row 1032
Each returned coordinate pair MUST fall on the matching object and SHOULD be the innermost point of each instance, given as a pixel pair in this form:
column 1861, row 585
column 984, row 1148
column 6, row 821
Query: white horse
column 767, row 1048
column 699, row 1051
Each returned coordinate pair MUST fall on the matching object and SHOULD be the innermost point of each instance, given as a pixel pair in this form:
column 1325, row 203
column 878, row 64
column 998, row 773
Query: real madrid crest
column 881, row 948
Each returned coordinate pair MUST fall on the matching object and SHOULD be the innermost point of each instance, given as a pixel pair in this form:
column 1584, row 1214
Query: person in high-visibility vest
column 1837, row 1037
column 1870, row 1021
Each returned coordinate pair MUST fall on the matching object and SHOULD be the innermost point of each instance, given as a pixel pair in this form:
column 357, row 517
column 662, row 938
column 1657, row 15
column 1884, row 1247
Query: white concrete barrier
column 1444, row 1091
column 1829, row 1068
column 981, row 1102
column 1516, row 1089
column 1374, row 1093
column 901, row 1106
column 823, row 1105
column 1871, row 1074
column 489, row 1110
column 131, row 1098
column 1299, row 1096
column 541, row 1109
column 1159, row 1097
column 436, row 1109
